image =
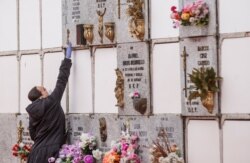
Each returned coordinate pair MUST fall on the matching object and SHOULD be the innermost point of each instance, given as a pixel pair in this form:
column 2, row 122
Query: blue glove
column 69, row 50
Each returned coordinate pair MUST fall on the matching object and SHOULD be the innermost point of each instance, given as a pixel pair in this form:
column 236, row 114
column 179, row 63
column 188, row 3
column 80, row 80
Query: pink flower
column 124, row 146
column 176, row 24
column 88, row 159
column 114, row 149
column 175, row 16
column 187, row 8
column 136, row 94
column 173, row 9
column 124, row 153
column 51, row 159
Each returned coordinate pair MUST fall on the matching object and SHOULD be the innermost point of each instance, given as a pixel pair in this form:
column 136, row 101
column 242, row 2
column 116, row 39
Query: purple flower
column 88, row 159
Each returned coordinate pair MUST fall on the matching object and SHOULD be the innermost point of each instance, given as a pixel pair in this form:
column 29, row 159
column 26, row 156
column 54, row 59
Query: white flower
column 151, row 150
column 58, row 160
column 131, row 94
column 97, row 154
column 21, row 145
column 83, row 144
column 84, row 137
column 191, row 20
column 172, row 158
column 164, row 160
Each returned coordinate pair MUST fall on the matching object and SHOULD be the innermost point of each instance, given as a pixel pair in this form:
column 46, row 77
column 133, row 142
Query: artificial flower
column 97, row 154
column 196, row 13
column 88, row 159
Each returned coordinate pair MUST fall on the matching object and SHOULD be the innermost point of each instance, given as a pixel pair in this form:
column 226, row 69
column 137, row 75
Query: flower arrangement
column 163, row 152
column 21, row 150
column 204, row 86
column 83, row 151
column 124, row 150
column 196, row 13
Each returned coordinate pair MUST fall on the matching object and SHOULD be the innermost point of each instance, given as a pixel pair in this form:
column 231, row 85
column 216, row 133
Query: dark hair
column 34, row 94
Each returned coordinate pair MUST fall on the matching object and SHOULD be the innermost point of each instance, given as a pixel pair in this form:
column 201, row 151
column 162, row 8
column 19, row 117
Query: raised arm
column 63, row 76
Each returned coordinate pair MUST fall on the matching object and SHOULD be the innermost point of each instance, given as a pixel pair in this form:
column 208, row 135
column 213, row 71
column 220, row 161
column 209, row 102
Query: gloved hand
column 69, row 50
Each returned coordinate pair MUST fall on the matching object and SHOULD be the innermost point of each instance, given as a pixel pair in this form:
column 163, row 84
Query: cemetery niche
column 149, row 129
column 103, row 22
column 133, row 63
column 199, row 55
column 89, row 22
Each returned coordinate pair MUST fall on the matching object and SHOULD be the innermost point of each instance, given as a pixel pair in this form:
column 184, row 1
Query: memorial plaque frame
column 197, row 52
column 147, row 129
column 133, row 61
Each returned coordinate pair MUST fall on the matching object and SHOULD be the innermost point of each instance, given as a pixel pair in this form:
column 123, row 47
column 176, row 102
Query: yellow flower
column 185, row 16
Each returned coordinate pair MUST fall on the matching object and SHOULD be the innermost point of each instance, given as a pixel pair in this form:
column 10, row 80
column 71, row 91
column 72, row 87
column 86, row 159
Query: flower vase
column 140, row 105
column 208, row 102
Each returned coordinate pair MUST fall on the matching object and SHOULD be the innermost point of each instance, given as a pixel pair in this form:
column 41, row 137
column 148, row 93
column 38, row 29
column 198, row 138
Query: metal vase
column 208, row 102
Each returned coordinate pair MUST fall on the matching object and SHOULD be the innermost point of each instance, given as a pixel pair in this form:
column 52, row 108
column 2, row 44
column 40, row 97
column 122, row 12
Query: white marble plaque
column 30, row 76
column 234, row 61
column 237, row 21
column 51, row 23
column 105, row 78
column 29, row 34
column 8, row 32
column 161, row 24
column 203, row 141
column 235, row 136
column 80, row 83
column 9, row 84
column 51, row 65
column 166, row 81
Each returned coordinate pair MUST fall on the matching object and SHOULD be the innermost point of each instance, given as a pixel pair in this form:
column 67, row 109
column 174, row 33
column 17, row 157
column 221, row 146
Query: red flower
column 173, row 9
column 15, row 147
column 14, row 153
column 26, row 147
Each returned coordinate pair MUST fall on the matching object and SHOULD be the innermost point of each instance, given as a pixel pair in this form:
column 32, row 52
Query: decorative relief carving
column 20, row 129
column 136, row 22
column 100, row 23
column 103, row 129
column 119, row 89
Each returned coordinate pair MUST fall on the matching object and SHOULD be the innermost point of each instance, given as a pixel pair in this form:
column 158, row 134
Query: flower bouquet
column 196, row 13
column 21, row 150
column 124, row 150
column 83, row 151
column 162, row 152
